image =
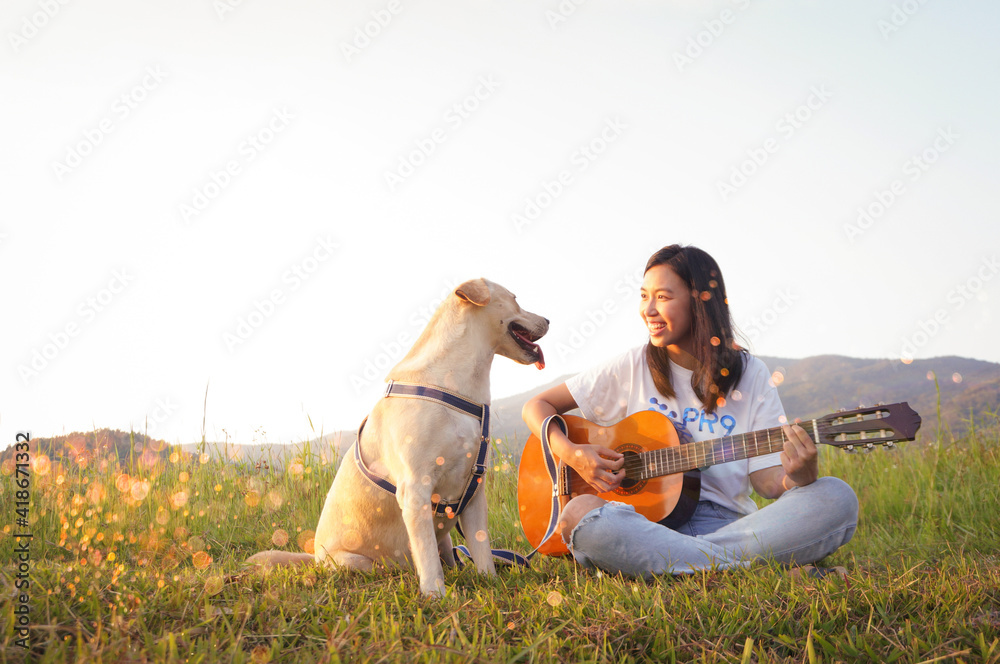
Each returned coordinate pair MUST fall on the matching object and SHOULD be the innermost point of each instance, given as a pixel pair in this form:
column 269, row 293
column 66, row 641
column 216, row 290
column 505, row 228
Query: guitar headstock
column 864, row 428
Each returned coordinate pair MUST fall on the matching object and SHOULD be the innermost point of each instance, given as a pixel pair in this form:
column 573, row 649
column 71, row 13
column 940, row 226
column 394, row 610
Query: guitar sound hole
column 632, row 461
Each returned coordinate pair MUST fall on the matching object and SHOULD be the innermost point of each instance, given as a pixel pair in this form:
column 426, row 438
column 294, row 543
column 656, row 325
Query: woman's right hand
column 600, row 467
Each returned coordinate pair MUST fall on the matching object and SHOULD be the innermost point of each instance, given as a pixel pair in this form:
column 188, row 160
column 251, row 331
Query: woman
column 692, row 371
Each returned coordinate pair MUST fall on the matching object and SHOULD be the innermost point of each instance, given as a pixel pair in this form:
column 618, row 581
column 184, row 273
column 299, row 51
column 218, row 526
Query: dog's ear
column 475, row 291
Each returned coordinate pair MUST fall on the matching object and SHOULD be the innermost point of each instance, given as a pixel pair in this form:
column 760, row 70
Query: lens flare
column 306, row 540
column 201, row 560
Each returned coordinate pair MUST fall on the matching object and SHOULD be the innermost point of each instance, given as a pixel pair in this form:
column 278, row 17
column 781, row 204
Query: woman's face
column 666, row 308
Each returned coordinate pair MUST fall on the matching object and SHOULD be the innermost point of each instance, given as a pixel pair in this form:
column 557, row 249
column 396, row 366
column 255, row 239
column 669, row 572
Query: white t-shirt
column 612, row 391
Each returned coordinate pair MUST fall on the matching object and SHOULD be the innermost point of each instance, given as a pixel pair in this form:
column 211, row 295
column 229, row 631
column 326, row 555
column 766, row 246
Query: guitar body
column 669, row 499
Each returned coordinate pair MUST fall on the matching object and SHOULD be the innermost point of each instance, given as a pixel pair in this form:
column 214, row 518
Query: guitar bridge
column 562, row 487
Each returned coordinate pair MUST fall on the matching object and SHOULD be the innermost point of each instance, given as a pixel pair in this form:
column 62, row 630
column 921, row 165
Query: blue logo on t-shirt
column 727, row 422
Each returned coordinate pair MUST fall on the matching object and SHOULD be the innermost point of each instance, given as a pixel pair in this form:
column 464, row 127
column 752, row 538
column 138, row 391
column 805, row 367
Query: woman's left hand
column 799, row 458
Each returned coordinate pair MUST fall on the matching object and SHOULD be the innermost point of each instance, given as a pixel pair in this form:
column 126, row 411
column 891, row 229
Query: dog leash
column 442, row 509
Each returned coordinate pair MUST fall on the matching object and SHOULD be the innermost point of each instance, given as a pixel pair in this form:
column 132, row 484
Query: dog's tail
column 265, row 560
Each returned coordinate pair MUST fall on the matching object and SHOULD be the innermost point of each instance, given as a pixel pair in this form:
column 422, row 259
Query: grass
column 143, row 563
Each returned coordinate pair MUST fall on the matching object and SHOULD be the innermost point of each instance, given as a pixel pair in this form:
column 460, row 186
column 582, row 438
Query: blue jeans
column 802, row 526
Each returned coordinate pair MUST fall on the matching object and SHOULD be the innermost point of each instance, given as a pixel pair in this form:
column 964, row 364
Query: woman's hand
column 799, row 458
column 600, row 467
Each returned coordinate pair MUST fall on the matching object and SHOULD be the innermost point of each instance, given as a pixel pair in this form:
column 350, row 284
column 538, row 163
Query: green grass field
column 143, row 563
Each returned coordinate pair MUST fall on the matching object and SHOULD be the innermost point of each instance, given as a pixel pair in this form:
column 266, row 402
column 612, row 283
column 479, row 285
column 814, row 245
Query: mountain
column 819, row 385
column 83, row 449
column 331, row 447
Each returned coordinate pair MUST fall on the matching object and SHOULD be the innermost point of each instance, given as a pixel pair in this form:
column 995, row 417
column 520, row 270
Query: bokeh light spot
column 201, row 560
column 214, row 584
column 306, row 540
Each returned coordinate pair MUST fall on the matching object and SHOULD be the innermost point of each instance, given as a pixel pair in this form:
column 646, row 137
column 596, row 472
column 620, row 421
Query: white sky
column 116, row 114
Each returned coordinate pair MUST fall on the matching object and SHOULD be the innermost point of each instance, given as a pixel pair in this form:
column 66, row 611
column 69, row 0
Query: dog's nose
column 547, row 321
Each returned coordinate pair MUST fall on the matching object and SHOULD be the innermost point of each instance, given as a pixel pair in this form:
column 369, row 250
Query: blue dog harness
column 463, row 405
column 452, row 400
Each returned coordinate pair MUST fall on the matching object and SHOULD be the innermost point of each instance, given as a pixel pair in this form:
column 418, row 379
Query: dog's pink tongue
column 541, row 357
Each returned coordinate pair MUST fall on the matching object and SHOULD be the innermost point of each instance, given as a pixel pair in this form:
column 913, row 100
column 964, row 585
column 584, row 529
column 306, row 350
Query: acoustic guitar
column 662, row 476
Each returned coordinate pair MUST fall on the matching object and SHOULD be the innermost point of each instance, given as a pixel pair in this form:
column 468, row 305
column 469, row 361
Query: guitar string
column 678, row 458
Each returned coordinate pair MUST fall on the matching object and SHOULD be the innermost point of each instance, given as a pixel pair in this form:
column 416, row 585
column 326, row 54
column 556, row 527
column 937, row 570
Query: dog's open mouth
column 526, row 340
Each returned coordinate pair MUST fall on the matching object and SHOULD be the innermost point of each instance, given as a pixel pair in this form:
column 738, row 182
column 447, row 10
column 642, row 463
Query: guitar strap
column 553, row 470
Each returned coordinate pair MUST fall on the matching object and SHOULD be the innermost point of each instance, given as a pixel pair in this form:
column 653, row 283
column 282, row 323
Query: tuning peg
column 850, row 449
column 889, row 446
column 868, row 448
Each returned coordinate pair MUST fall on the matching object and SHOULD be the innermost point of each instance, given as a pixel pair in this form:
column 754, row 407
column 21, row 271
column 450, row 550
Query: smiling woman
column 685, row 308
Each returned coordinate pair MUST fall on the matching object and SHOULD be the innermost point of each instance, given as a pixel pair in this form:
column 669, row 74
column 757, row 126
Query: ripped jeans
column 802, row 526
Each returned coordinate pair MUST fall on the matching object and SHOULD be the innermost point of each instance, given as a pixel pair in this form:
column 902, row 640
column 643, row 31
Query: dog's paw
column 433, row 588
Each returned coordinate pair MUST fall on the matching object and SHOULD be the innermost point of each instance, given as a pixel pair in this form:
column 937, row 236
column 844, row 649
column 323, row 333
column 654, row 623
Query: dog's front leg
column 476, row 529
column 415, row 503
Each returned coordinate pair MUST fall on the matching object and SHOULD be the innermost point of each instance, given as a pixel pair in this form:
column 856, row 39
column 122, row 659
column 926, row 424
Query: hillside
column 84, row 449
column 818, row 385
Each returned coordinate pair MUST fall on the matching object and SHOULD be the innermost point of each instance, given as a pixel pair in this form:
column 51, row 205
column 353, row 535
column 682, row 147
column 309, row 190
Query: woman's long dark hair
column 719, row 360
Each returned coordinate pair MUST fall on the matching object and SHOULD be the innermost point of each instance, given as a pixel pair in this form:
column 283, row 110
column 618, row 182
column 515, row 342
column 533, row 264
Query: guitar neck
column 683, row 458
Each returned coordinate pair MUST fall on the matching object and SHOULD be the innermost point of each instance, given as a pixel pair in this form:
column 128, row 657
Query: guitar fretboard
column 682, row 458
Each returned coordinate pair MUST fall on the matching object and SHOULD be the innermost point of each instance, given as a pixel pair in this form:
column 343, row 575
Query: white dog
column 424, row 449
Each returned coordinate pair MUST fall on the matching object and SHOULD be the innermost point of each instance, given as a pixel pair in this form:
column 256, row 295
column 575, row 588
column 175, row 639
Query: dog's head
column 514, row 330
